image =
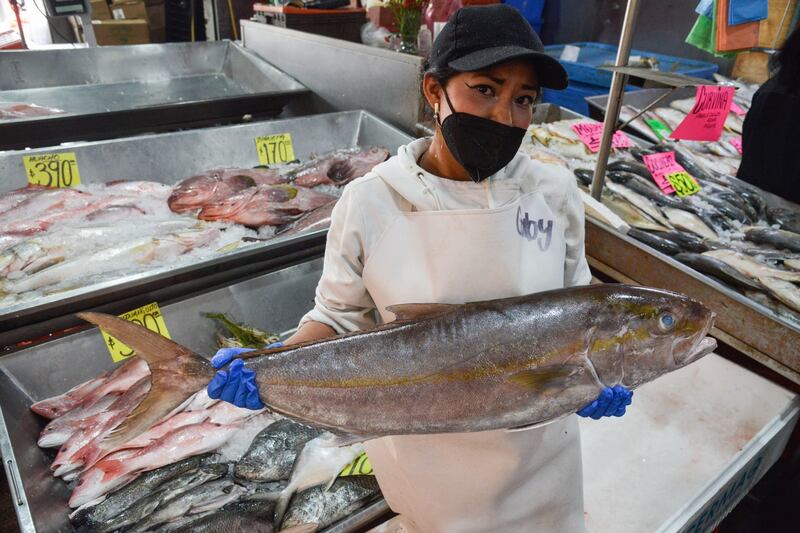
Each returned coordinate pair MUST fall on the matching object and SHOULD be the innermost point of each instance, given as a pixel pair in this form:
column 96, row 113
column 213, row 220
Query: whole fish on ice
column 271, row 205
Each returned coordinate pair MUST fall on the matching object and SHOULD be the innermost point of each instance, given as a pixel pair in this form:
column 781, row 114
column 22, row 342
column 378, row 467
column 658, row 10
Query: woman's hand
column 237, row 385
column 611, row 402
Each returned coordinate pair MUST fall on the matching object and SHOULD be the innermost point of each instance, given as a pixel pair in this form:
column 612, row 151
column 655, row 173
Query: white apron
column 492, row 481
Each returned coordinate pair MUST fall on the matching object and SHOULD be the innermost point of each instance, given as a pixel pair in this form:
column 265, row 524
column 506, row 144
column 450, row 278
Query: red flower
column 407, row 4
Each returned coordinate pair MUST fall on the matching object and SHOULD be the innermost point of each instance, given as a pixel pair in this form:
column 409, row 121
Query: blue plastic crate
column 593, row 55
column 573, row 97
column 531, row 9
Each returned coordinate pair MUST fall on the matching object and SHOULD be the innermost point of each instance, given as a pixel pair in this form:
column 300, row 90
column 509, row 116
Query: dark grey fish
column 665, row 246
column 787, row 219
column 272, row 453
column 638, row 153
column 584, row 176
column 125, row 497
column 648, row 189
column 728, row 209
column 244, row 516
column 718, row 269
column 692, row 165
column 206, row 498
column 634, row 167
column 779, row 238
column 687, row 241
column 165, row 493
column 317, row 506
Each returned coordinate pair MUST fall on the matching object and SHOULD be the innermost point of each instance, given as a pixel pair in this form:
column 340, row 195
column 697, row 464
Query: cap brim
column 548, row 70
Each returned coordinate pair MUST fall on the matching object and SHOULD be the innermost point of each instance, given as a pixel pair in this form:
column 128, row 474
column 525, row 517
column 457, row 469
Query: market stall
column 168, row 159
column 215, row 236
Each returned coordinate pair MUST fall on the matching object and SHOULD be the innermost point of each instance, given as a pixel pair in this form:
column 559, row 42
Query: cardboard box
column 156, row 16
column 100, row 10
column 111, row 32
column 129, row 10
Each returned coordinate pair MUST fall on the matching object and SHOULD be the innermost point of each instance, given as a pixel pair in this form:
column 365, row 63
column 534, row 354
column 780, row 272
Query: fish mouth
column 703, row 345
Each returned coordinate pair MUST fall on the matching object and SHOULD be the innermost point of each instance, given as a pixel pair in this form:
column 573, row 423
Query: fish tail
column 176, row 373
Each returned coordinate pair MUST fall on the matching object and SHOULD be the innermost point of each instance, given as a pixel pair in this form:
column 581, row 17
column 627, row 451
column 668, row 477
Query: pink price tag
column 706, row 119
column 737, row 110
column 737, row 143
column 591, row 133
column 660, row 165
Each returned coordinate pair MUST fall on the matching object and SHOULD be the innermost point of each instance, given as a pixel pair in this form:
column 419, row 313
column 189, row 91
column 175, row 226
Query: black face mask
column 480, row 145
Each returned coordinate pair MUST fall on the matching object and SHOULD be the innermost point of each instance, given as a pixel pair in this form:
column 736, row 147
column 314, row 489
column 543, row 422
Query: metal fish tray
column 120, row 90
column 169, row 158
column 273, row 301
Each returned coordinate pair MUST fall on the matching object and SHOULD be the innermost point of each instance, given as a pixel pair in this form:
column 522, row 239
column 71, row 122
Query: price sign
column 591, row 133
column 275, row 149
column 359, row 467
column 661, row 130
column 683, row 183
column 735, row 109
column 737, row 143
column 663, row 165
column 148, row 316
column 706, row 119
column 52, row 170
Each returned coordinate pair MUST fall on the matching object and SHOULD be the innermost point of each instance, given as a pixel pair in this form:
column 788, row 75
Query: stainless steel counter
column 169, row 158
column 119, row 90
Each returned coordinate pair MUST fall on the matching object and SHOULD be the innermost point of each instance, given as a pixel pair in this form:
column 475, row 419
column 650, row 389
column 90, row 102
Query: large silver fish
column 449, row 368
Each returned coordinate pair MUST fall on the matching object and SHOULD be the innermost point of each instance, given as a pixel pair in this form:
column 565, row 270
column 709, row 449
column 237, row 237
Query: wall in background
column 662, row 26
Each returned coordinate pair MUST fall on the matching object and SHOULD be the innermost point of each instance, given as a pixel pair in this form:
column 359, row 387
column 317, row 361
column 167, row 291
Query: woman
column 770, row 144
column 456, row 218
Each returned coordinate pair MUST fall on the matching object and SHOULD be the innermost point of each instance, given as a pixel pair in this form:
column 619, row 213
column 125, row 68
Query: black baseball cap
column 479, row 37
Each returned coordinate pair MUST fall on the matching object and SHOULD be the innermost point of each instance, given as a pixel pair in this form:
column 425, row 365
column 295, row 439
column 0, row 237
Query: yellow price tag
column 274, row 149
column 359, row 467
column 148, row 316
column 683, row 183
column 52, row 170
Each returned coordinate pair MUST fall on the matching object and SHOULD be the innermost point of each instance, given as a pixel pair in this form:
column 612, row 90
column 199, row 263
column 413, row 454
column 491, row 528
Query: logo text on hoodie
column 539, row 230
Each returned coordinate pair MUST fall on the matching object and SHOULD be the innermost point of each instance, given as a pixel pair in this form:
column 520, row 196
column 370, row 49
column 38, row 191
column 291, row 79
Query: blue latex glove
column 237, row 385
column 225, row 355
column 611, row 402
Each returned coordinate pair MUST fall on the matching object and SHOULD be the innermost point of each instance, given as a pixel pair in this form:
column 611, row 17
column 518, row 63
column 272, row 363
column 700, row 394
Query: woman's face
column 504, row 93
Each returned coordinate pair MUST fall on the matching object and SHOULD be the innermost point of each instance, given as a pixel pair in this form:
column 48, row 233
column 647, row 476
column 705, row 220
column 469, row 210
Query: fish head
column 228, row 207
column 193, row 192
column 648, row 332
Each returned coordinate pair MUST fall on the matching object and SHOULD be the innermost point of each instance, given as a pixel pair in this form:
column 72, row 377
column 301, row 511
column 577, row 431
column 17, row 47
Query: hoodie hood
column 428, row 192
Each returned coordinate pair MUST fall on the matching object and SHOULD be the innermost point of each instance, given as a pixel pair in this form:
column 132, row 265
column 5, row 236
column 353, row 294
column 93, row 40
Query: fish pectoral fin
column 545, row 378
column 537, row 424
column 404, row 312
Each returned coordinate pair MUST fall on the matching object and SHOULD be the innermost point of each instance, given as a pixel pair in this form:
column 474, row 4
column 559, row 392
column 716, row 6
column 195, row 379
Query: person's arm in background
column 310, row 331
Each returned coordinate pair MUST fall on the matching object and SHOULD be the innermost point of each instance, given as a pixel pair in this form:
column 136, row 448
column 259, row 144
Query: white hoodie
column 369, row 204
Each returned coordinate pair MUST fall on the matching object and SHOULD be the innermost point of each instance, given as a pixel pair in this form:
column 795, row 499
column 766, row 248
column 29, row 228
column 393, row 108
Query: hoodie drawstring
column 430, row 191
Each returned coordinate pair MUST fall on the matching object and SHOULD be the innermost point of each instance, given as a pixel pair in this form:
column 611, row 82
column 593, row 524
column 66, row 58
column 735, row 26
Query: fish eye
column 666, row 321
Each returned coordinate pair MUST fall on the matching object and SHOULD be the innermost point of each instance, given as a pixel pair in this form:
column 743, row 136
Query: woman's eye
column 525, row 100
column 483, row 89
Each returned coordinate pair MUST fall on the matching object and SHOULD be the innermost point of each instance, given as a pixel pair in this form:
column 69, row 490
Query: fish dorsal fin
column 410, row 312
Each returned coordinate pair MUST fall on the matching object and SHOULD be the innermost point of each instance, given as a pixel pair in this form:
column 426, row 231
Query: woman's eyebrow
column 529, row 87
